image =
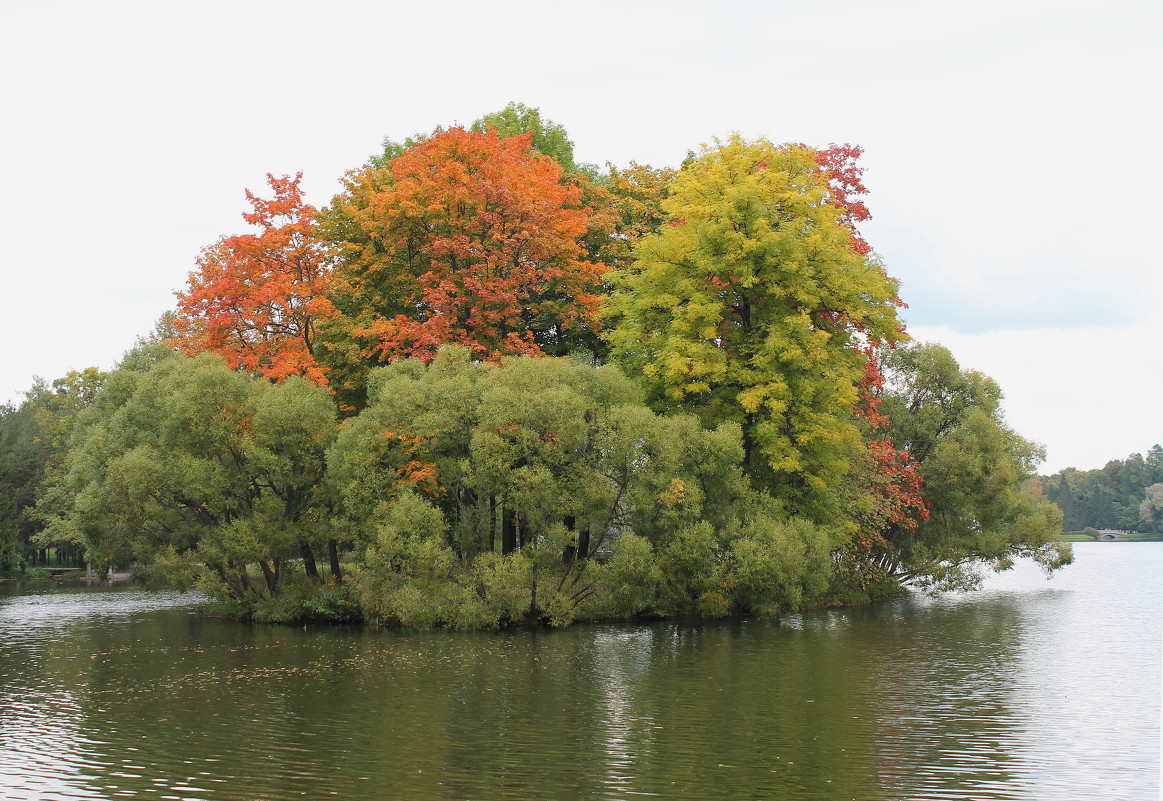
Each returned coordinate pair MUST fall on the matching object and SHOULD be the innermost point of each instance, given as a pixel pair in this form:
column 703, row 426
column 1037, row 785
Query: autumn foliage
column 889, row 481
column 751, row 456
column 470, row 239
column 896, row 490
column 627, row 206
column 257, row 299
column 845, row 185
column 755, row 304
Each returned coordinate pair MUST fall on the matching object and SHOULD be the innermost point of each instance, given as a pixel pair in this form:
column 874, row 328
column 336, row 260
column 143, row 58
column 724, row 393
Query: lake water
column 1026, row 690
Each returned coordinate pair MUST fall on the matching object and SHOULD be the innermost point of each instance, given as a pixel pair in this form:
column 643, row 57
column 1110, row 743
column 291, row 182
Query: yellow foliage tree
column 758, row 304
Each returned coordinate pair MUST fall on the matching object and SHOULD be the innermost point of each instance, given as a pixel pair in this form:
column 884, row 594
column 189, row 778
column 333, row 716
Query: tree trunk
column 583, row 544
column 492, row 523
column 333, row 555
column 748, row 440
column 508, row 531
column 571, row 550
column 468, row 507
column 309, row 560
column 270, row 576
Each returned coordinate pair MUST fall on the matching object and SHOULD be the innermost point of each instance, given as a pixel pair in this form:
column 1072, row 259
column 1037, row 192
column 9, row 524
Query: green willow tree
column 545, row 489
column 755, row 305
column 207, row 473
column 974, row 469
column 34, row 439
column 1151, row 507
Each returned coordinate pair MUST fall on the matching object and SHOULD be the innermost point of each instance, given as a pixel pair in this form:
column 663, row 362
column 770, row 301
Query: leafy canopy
column 257, row 299
column 974, row 468
column 466, row 238
column 188, row 463
column 756, row 304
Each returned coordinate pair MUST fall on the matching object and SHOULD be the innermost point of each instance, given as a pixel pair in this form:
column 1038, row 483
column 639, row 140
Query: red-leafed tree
column 257, row 299
column 893, row 488
column 845, row 184
column 896, row 490
column 889, row 486
column 885, row 491
column 465, row 238
column 890, row 480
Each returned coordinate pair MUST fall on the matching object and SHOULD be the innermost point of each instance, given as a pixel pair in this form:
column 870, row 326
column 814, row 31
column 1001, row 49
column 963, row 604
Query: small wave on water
column 1026, row 691
column 46, row 609
column 45, row 683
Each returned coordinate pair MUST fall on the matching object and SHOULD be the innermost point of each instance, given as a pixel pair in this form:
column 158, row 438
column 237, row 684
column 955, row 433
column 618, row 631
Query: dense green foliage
column 535, row 392
column 195, row 467
column 973, row 466
column 549, row 138
column 1124, row 495
column 33, row 444
column 753, row 307
column 545, row 488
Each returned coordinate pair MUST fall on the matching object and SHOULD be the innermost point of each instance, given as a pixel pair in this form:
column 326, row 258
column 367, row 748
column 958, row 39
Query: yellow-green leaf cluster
column 753, row 306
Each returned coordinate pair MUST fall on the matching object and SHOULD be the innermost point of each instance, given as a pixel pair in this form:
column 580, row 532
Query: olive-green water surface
column 1026, row 690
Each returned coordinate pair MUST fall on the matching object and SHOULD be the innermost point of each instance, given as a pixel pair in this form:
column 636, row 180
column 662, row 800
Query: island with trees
column 489, row 385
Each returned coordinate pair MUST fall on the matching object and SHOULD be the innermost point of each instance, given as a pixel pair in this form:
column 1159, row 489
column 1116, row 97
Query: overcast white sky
column 1012, row 149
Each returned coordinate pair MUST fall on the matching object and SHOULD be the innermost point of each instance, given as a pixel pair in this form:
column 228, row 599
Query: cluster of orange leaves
column 486, row 235
column 416, row 466
column 895, row 482
column 257, row 299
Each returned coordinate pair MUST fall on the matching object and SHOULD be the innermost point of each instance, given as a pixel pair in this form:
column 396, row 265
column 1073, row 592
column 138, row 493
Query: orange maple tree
column 257, row 299
column 465, row 238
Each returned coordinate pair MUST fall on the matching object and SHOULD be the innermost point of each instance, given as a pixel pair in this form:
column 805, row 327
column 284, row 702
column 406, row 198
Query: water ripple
column 1018, row 693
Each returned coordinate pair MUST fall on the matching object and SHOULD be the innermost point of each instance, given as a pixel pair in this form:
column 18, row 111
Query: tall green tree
column 1154, row 460
column 21, row 470
column 34, row 438
column 547, row 136
column 545, row 488
column 974, row 468
column 206, row 472
column 1151, row 509
column 756, row 305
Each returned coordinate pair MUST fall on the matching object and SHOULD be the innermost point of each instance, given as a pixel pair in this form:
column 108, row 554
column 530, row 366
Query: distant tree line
column 488, row 384
column 1126, row 494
